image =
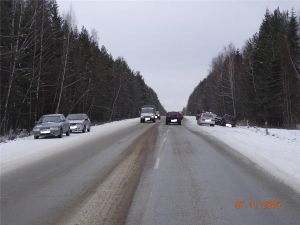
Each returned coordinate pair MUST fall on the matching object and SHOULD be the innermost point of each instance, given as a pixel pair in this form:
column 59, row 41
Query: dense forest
column 49, row 66
column 259, row 83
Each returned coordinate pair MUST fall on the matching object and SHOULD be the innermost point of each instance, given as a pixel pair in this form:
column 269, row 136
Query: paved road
column 186, row 179
column 191, row 180
column 42, row 192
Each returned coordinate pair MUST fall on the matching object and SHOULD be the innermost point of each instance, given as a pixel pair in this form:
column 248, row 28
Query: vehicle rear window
column 147, row 110
column 208, row 115
column 76, row 117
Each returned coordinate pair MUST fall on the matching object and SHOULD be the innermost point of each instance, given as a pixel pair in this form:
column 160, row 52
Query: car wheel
column 179, row 123
column 61, row 133
column 36, row 137
column 68, row 132
column 89, row 130
column 84, row 129
column 153, row 121
column 212, row 125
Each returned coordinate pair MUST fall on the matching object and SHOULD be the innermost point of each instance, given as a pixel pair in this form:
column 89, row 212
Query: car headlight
column 152, row 116
column 54, row 128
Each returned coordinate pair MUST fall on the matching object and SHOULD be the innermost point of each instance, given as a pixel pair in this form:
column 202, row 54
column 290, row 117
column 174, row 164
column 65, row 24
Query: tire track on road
column 110, row 202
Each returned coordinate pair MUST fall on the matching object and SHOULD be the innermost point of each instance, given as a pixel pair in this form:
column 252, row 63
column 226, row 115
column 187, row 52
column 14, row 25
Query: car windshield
column 49, row 119
column 147, row 110
column 76, row 117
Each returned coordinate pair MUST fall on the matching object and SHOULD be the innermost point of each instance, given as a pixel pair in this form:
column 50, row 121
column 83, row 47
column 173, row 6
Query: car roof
column 77, row 114
column 148, row 106
column 53, row 115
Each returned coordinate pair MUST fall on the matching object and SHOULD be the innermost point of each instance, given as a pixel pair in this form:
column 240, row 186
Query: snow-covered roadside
column 23, row 151
column 277, row 153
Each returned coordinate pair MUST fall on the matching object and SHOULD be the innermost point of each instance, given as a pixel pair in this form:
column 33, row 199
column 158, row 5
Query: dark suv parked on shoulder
column 228, row 120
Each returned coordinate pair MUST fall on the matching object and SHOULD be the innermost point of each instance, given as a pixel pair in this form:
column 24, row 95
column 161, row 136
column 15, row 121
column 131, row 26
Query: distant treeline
column 48, row 66
column 261, row 82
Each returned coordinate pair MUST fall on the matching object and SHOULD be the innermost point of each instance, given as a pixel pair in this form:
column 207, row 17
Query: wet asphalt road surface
column 192, row 180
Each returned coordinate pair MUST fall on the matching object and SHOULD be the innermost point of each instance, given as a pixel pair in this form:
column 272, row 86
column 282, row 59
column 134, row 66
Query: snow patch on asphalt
column 22, row 151
column 278, row 153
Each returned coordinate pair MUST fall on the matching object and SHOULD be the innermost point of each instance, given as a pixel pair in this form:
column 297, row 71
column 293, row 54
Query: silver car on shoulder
column 207, row 118
column 79, row 122
column 51, row 125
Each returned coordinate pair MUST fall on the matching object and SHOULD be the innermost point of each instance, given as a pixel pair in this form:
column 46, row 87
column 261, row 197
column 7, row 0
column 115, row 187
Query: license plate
column 207, row 120
column 147, row 119
column 73, row 127
column 174, row 120
column 45, row 131
column 228, row 125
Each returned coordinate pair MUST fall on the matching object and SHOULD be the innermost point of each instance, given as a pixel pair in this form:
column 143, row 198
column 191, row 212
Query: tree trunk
column 63, row 73
column 15, row 55
column 40, row 64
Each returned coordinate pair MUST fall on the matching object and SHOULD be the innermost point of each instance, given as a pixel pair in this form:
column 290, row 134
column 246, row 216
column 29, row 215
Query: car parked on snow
column 79, row 122
column 206, row 118
column 51, row 125
column 218, row 120
column 173, row 117
column 228, row 120
column 147, row 114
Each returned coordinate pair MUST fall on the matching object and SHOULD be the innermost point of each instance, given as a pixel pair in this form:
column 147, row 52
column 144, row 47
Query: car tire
column 89, row 130
column 36, row 137
column 212, row 125
column 61, row 133
column 179, row 123
column 68, row 132
column 84, row 129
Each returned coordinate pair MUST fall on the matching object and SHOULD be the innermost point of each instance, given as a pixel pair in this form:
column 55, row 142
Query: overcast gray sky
column 171, row 43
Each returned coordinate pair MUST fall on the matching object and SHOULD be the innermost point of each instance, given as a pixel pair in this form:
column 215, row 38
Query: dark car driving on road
column 51, row 125
column 79, row 122
column 173, row 117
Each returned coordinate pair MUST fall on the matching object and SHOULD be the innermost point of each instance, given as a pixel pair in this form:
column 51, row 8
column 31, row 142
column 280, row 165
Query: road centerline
column 157, row 163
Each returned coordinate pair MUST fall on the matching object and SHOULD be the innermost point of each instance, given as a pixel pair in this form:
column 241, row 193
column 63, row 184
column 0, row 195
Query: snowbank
column 278, row 153
column 23, row 151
